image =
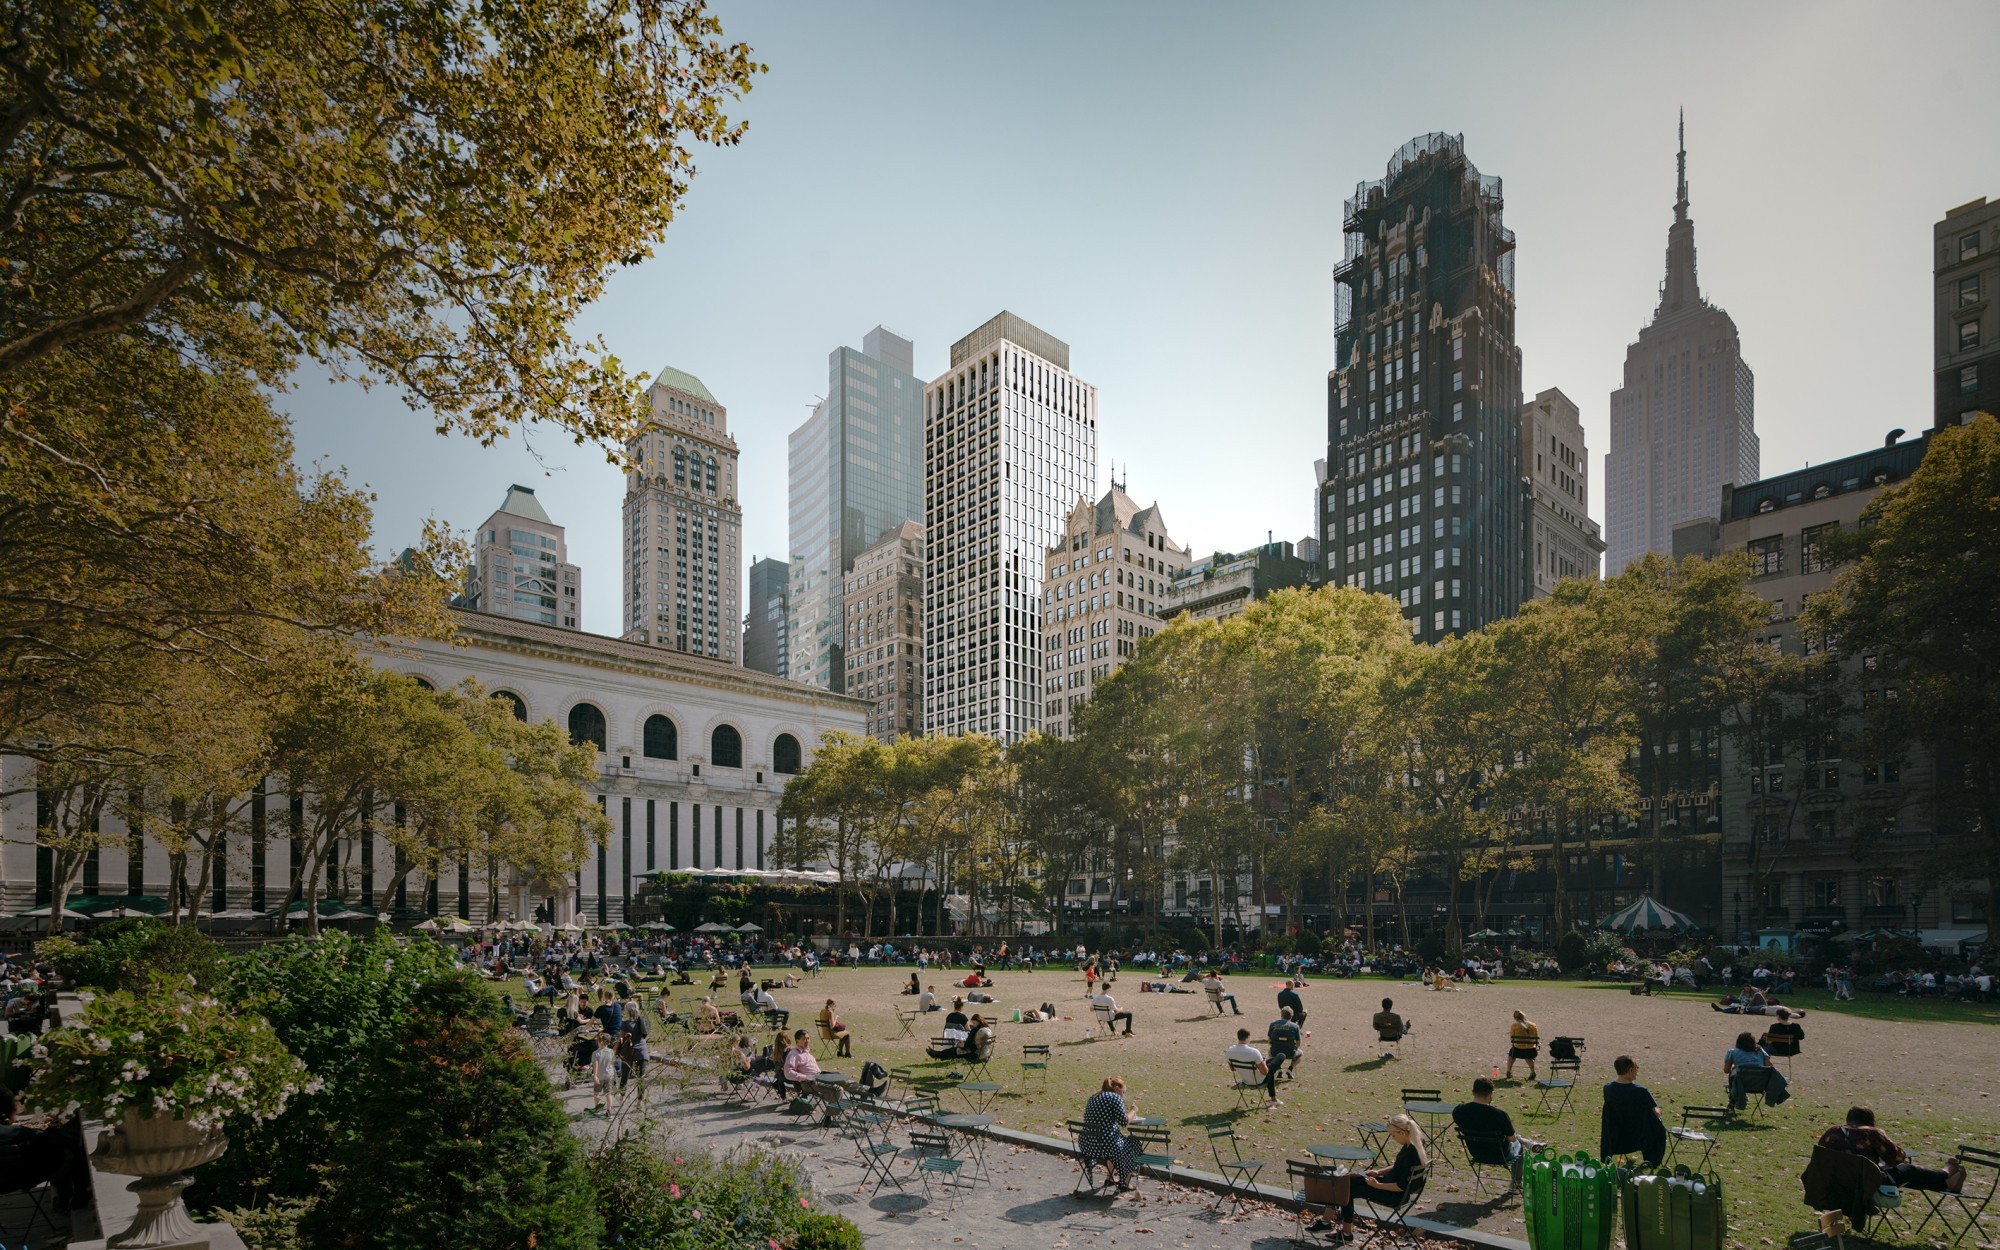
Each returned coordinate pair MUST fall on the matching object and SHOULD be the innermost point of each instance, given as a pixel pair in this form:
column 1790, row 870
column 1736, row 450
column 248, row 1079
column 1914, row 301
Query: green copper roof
column 521, row 502
column 673, row 377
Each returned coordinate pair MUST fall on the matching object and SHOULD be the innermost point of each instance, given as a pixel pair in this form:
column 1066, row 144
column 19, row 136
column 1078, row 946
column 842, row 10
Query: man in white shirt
column 1257, row 1072
column 1212, row 986
column 1107, row 1008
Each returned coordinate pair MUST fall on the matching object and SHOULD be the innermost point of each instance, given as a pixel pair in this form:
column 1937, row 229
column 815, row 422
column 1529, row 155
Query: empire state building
column 1683, row 424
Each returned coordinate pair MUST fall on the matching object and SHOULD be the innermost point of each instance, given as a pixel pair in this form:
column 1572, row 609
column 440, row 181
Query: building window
column 661, row 739
column 785, row 754
column 1812, row 557
column 513, row 701
column 1767, row 556
column 586, row 724
column 1968, row 334
column 726, row 747
column 1968, row 379
column 1968, row 291
column 1882, row 891
column 1968, row 245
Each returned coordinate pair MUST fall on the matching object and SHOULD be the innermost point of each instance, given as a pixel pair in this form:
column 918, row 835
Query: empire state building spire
column 1680, row 290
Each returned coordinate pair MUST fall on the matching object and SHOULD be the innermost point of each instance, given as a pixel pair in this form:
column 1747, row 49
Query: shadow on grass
column 1370, row 1065
column 1468, row 1212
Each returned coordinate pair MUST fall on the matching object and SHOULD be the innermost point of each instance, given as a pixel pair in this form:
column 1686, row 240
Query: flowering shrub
column 168, row 1051
column 666, row 1199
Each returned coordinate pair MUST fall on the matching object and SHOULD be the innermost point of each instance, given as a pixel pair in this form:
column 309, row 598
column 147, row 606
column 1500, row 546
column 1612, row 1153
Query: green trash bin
column 1570, row 1201
column 1678, row 1210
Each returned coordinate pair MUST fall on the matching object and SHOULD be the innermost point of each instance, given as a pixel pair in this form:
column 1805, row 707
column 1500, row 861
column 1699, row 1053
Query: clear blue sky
column 1159, row 184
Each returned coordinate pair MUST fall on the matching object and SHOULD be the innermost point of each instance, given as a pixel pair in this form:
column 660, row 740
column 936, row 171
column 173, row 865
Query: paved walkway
column 1027, row 1202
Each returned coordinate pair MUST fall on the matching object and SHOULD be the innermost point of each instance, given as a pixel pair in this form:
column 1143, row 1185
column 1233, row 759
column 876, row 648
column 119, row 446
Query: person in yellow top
column 1524, row 1041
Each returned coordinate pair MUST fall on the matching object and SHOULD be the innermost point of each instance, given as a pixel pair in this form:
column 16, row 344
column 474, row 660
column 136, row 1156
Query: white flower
column 135, row 1037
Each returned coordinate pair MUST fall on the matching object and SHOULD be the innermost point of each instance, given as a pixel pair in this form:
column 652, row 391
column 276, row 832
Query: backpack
column 1562, row 1048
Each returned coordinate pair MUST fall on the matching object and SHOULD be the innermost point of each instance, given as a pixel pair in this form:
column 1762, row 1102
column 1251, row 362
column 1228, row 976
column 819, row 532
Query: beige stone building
column 1563, row 541
column 520, row 566
column 1106, row 583
column 883, row 613
column 684, row 526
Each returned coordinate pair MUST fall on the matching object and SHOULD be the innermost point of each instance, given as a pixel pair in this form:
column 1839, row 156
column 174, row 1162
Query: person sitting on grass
column 928, row 1001
column 1104, row 1139
column 1284, row 1036
column 1630, row 1123
column 1258, row 1072
column 913, row 987
column 1524, row 1042
column 1860, row 1136
column 1389, row 1027
column 1489, row 1131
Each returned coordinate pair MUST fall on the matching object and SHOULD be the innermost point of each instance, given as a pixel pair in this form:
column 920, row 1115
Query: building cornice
column 497, row 633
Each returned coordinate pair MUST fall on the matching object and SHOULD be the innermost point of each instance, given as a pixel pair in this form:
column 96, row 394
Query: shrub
column 273, row 1226
column 681, row 1200
column 820, row 1231
column 332, row 1000
column 1571, row 951
column 1430, row 947
column 459, row 1140
column 124, row 954
column 1605, row 947
column 1306, row 942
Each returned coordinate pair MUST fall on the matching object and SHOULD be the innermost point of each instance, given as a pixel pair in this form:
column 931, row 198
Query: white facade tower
column 1010, row 444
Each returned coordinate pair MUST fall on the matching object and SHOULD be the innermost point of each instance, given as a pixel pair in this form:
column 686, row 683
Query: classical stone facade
column 694, row 756
column 1966, row 256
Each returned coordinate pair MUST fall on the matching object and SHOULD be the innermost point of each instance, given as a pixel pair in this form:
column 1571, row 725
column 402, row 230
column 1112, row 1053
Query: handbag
column 1329, row 1189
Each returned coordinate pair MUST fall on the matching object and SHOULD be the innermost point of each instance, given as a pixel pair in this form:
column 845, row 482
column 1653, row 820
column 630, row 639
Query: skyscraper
column 683, row 525
column 856, row 473
column 1562, row 540
column 765, row 645
column 1682, row 426
column 520, row 566
column 1010, row 442
column 1422, row 498
column 1967, row 275
column 1108, row 572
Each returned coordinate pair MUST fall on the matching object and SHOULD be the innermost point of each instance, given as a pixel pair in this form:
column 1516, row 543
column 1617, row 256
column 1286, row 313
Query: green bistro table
column 1342, row 1154
column 1148, row 1121
column 979, row 1095
column 975, row 1142
column 1432, row 1112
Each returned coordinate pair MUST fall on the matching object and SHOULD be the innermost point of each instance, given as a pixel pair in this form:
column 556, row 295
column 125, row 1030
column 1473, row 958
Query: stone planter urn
column 159, row 1152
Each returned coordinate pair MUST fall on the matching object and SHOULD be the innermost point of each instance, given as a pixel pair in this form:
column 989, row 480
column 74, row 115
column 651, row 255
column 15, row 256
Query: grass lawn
column 1930, row 1070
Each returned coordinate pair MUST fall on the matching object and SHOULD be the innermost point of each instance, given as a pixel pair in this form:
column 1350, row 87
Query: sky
column 1159, row 185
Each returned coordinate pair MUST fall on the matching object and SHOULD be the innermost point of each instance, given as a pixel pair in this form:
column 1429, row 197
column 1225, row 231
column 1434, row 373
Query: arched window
column 785, row 754
column 514, row 701
column 422, row 684
column 725, row 748
column 586, row 724
column 662, row 740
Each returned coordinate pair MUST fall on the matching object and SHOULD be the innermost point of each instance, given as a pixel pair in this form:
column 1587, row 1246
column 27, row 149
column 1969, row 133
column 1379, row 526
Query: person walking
column 603, row 1066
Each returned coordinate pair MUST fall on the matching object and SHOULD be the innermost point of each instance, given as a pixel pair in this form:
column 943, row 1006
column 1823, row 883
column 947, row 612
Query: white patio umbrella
column 748, row 928
column 713, row 927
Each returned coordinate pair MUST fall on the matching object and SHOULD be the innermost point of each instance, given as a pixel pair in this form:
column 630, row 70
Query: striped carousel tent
column 1648, row 916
